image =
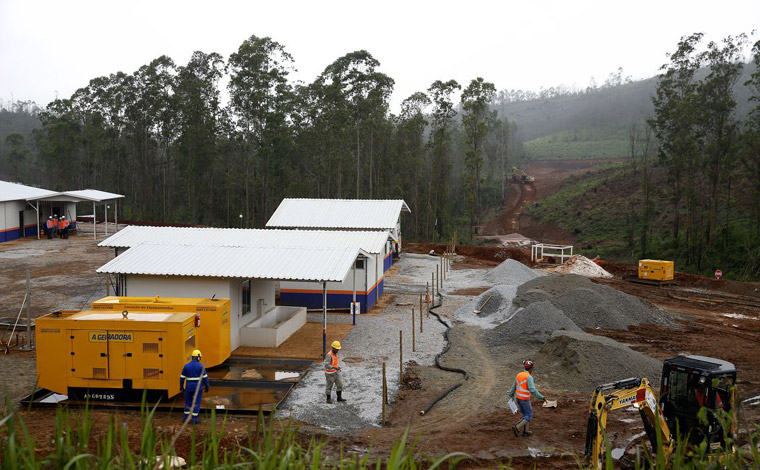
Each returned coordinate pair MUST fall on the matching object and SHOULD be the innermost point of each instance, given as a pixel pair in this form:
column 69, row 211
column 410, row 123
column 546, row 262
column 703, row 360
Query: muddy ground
column 720, row 319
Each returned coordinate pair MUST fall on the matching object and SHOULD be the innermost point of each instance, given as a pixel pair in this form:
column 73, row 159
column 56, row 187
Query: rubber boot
column 517, row 428
column 340, row 397
column 526, row 433
column 329, row 400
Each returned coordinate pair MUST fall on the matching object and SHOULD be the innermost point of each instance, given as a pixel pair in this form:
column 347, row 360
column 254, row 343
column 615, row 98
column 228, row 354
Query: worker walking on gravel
column 333, row 374
column 195, row 374
column 522, row 389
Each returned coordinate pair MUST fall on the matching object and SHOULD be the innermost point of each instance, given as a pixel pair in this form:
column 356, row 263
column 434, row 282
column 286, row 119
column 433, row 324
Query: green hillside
column 578, row 144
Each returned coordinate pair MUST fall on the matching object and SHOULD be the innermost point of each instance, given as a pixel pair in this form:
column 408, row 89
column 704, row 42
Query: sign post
column 718, row 274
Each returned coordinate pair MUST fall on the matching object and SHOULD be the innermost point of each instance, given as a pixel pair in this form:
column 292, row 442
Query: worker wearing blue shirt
column 195, row 374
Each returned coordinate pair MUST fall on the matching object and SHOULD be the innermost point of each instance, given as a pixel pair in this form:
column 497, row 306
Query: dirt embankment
column 549, row 178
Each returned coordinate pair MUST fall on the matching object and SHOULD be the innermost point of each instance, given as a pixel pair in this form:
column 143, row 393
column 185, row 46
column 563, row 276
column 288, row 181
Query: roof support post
column 324, row 318
column 105, row 212
column 353, row 303
column 38, row 219
column 94, row 223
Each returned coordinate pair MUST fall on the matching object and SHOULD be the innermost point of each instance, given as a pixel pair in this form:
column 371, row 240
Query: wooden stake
column 420, row 303
column 400, row 358
column 420, row 319
column 414, row 347
column 385, row 394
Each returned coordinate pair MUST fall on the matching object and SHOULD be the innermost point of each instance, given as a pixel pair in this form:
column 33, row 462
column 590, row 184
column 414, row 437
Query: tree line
column 163, row 137
column 711, row 155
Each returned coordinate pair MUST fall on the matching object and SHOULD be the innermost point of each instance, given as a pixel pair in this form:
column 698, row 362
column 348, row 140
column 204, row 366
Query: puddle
column 263, row 372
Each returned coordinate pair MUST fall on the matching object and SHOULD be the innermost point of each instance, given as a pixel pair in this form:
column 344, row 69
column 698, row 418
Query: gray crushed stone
column 512, row 273
column 493, row 313
column 374, row 340
column 536, row 322
column 590, row 305
column 579, row 362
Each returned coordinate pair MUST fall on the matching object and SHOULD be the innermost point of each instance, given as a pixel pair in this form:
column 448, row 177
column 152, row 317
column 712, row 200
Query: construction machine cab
column 690, row 383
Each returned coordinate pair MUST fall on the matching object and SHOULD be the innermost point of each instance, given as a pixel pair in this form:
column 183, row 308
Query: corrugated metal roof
column 338, row 213
column 94, row 195
column 133, row 235
column 291, row 264
column 21, row 192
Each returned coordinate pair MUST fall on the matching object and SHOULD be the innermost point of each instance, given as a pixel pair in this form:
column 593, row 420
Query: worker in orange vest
column 522, row 389
column 56, row 223
column 333, row 374
column 63, row 227
column 49, row 227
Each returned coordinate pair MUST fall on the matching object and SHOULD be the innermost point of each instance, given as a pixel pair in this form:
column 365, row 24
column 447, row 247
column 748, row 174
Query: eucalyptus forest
column 221, row 140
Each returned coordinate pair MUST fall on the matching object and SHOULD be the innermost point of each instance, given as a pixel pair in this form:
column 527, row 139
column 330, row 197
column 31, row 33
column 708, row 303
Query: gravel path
column 374, row 340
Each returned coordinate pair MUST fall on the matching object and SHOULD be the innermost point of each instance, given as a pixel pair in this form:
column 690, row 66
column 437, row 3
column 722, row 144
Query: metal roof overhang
column 133, row 235
column 272, row 263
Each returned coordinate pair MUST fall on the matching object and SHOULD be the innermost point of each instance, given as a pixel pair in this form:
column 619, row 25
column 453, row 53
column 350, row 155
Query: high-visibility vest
column 521, row 391
column 64, row 223
column 49, row 223
column 55, row 221
column 333, row 367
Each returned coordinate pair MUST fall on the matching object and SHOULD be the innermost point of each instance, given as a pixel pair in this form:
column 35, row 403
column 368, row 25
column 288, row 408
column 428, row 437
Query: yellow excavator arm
column 634, row 392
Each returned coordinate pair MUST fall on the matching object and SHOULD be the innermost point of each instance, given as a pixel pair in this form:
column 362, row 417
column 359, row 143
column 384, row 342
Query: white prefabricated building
column 363, row 284
column 245, row 275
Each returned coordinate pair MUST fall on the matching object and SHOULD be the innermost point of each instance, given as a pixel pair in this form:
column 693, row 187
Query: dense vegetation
column 185, row 149
column 163, row 137
column 691, row 189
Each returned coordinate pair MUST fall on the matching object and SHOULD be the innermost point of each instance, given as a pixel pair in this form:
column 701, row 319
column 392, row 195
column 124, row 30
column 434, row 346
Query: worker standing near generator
column 194, row 373
column 522, row 389
column 333, row 374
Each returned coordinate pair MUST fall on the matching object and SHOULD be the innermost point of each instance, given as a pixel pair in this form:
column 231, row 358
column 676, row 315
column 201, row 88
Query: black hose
column 465, row 374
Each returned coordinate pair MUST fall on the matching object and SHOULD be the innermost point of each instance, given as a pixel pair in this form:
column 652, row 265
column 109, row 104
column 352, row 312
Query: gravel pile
column 579, row 362
column 590, row 305
column 493, row 313
column 536, row 322
column 511, row 272
column 579, row 264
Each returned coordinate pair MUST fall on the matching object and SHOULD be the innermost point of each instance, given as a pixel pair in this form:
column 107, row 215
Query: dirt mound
column 590, row 305
column 579, row 362
column 536, row 322
column 511, row 272
column 579, row 264
column 486, row 253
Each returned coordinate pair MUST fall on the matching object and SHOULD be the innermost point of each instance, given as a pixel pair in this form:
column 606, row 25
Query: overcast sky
column 49, row 46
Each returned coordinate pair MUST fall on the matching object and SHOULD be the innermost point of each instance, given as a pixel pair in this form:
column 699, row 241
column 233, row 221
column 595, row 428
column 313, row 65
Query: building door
column 89, row 353
column 21, row 224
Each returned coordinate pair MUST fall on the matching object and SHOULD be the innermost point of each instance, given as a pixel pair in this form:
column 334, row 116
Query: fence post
column 385, row 394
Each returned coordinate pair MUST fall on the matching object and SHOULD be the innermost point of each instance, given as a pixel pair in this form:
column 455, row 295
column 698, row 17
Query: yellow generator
column 213, row 319
column 114, row 355
column 655, row 270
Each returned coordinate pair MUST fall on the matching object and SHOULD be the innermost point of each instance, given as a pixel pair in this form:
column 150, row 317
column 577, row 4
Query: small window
column 245, row 297
column 360, row 263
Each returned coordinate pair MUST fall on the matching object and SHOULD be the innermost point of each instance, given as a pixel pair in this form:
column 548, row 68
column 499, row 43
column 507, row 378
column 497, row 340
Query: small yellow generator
column 655, row 270
column 212, row 319
column 113, row 355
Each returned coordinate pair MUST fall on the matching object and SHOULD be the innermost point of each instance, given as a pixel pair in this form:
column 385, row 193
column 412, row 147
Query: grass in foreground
column 75, row 445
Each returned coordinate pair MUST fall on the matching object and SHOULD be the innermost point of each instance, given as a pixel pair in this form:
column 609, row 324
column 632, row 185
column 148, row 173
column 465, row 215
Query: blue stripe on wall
column 342, row 301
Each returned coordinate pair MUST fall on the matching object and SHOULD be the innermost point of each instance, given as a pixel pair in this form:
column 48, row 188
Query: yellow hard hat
column 336, row 344
column 197, row 352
